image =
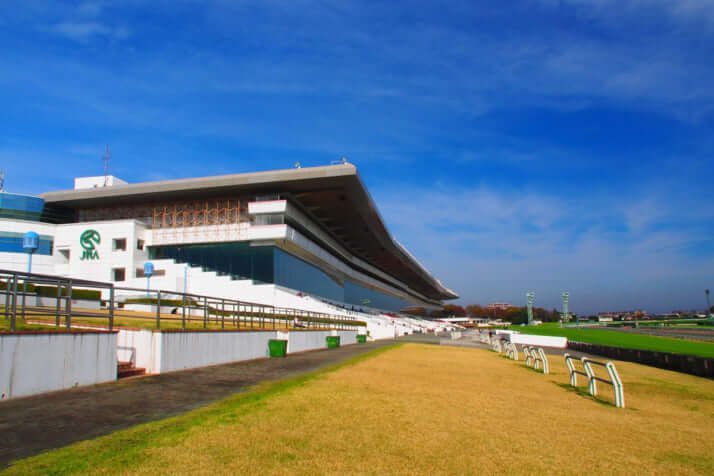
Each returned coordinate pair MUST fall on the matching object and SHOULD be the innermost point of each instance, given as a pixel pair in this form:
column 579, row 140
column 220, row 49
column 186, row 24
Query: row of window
column 119, row 244
column 119, row 274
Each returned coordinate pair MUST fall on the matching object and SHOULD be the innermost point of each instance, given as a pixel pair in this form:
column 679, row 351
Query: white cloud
column 85, row 31
column 608, row 251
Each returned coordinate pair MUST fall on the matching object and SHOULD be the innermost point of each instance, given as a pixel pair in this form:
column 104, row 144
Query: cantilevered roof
column 334, row 196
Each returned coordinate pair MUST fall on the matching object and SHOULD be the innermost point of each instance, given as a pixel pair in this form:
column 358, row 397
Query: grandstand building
column 299, row 238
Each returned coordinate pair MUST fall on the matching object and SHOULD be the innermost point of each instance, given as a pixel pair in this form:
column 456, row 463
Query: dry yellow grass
column 442, row 410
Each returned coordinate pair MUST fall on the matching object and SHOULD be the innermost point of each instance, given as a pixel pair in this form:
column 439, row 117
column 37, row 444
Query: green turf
column 623, row 339
column 22, row 326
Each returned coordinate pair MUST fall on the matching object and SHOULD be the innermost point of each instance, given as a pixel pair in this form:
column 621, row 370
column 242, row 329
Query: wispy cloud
column 85, row 31
column 589, row 246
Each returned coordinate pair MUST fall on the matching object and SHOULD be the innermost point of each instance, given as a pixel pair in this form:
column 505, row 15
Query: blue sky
column 536, row 145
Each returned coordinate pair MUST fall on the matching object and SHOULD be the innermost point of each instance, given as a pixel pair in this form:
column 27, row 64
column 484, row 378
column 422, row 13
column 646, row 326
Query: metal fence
column 39, row 297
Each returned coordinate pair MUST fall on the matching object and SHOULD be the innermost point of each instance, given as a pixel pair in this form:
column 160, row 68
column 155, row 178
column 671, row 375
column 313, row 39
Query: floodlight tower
column 530, row 296
column 565, row 295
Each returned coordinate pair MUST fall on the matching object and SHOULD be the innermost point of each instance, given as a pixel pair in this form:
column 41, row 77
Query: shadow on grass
column 583, row 392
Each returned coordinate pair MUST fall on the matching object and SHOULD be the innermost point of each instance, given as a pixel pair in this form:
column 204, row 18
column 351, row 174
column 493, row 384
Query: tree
column 475, row 310
column 516, row 315
column 454, row 310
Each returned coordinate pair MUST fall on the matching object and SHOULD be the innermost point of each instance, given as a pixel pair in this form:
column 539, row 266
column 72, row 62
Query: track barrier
column 511, row 350
column 536, row 358
column 589, row 373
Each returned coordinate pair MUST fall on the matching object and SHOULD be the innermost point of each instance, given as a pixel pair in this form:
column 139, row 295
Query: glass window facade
column 21, row 207
column 268, row 264
column 12, row 243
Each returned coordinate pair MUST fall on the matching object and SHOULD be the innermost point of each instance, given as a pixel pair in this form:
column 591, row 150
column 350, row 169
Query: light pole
column 530, row 296
column 709, row 307
column 565, row 295
column 30, row 243
column 148, row 272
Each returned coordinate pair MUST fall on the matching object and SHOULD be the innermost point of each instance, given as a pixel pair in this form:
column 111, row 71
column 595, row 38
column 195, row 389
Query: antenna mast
column 107, row 155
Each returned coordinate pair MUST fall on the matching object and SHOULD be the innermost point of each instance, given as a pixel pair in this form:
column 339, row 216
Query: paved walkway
column 32, row 425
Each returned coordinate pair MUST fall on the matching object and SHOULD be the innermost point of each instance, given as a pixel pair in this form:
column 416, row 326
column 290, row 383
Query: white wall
column 67, row 237
column 300, row 341
column 44, row 362
column 186, row 350
column 539, row 341
column 347, row 337
column 137, row 347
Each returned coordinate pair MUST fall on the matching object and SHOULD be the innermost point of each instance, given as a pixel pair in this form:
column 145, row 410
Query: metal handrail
column 255, row 315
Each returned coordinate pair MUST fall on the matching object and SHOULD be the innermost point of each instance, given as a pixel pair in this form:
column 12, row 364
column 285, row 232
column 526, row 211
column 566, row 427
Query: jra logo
column 89, row 239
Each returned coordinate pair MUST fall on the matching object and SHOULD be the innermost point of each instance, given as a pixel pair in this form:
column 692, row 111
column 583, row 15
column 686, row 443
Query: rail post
column 205, row 312
column 571, row 368
column 6, row 310
column 544, row 360
column 68, row 307
column 158, row 309
column 592, row 384
column 13, row 316
column 57, row 303
column 183, row 313
column 111, row 307
column 616, row 384
column 223, row 313
column 24, row 293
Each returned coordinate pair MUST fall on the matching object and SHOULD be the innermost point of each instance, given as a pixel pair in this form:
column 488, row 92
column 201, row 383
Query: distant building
column 499, row 306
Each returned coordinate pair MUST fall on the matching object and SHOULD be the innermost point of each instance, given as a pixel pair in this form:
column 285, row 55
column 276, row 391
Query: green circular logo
column 89, row 239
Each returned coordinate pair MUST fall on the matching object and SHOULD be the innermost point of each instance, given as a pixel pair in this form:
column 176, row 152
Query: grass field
column 419, row 409
column 623, row 339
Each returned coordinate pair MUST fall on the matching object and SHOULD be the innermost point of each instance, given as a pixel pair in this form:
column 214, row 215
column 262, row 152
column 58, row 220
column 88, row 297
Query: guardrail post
column 205, row 312
column 111, row 307
column 24, row 294
column 544, row 360
column 571, row 369
column 616, row 384
column 183, row 313
column 13, row 316
column 68, row 307
column 59, row 298
column 592, row 384
column 6, row 311
column 223, row 313
column 158, row 309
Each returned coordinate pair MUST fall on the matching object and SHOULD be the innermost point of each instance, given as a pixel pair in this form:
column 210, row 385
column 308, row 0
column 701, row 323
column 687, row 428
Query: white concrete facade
column 33, row 363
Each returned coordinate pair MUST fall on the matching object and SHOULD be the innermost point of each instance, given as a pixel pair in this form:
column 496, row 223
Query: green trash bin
column 361, row 338
column 333, row 342
column 278, row 347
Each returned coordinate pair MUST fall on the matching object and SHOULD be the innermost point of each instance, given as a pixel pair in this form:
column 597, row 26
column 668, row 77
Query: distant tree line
column 515, row 315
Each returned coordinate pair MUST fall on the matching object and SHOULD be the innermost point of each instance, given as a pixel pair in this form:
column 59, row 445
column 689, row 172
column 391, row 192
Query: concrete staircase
column 127, row 369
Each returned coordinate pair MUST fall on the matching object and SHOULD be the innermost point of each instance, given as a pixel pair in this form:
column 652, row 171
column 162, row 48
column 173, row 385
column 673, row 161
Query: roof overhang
column 334, row 196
